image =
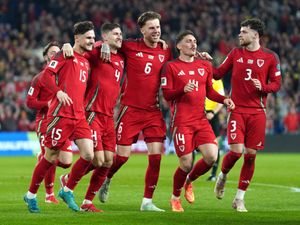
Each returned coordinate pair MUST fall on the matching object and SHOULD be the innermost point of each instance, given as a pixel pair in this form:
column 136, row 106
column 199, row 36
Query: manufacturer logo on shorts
column 233, row 136
column 181, row 148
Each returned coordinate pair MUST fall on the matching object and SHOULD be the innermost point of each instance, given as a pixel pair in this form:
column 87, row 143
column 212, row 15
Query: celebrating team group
column 78, row 89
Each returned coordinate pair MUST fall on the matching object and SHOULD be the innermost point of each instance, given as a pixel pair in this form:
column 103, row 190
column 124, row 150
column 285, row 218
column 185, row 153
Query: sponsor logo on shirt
column 250, row 61
column 181, row 73
column 161, row 58
column 163, row 81
column 240, row 60
column 116, row 63
column 260, row 62
column 53, row 64
column 139, row 54
column 150, row 57
column 201, row 71
column 75, row 60
column 191, row 72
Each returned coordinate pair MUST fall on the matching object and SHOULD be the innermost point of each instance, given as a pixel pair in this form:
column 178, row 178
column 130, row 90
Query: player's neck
column 113, row 50
column 150, row 44
column 78, row 49
column 186, row 58
column 253, row 46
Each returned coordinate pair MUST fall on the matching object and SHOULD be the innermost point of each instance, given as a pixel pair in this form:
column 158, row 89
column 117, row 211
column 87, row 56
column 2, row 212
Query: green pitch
column 273, row 196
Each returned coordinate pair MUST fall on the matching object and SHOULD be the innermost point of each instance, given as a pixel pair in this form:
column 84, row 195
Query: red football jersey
column 263, row 65
column 37, row 98
column 103, row 86
column 143, row 66
column 188, row 108
column 71, row 77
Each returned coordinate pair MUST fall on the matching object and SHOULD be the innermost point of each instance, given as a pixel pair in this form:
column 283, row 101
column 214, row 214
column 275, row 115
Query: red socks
column 77, row 172
column 96, row 182
column 49, row 179
column 152, row 174
column 118, row 162
column 200, row 168
column 178, row 181
column 247, row 171
column 229, row 160
column 38, row 175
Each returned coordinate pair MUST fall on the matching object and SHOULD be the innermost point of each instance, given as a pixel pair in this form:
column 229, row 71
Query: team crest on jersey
column 181, row 147
column 161, row 58
column 53, row 64
column 233, row 136
column 201, row 71
column 260, row 62
column 54, row 143
column 122, row 63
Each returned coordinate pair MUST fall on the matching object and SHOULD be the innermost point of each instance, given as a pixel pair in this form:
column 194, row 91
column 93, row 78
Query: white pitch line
column 292, row 189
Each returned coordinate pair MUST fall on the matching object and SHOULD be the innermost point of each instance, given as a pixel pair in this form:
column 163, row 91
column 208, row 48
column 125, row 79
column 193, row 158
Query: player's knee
column 108, row 163
column 63, row 164
column 210, row 159
column 88, row 156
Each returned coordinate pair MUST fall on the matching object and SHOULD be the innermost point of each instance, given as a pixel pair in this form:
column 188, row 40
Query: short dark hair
column 150, row 15
column 82, row 27
column 49, row 45
column 255, row 24
column 106, row 27
column 181, row 35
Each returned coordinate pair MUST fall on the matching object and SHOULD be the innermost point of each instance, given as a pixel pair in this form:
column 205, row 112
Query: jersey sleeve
column 32, row 96
column 224, row 68
column 51, row 69
column 274, row 81
column 167, row 84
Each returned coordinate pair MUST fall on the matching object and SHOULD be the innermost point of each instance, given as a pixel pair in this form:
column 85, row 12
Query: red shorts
column 186, row 139
column 41, row 133
column 103, row 131
column 131, row 121
column 247, row 129
column 61, row 130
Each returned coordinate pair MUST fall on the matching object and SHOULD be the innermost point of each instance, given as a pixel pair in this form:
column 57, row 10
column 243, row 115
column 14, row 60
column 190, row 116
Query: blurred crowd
column 26, row 26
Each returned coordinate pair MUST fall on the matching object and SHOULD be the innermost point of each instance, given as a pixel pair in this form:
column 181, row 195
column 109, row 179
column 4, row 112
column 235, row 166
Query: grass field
column 270, row 199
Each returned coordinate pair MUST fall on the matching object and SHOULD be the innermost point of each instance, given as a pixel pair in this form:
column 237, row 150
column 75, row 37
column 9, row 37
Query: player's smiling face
column 188, row 45
column 51, row 52
column 114, row 38
column 86, row 40
column 151, row 30
column 247, row 36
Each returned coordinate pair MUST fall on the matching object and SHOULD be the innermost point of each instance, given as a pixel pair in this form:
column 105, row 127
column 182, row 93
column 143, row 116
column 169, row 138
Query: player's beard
column 86, row 47
column 244, row 43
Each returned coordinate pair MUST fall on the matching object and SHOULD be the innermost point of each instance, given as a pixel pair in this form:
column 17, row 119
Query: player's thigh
column 183, row 140
column 256, row 128
column 236, row 129
column 58, row 132
column 154, row 127
column 128, row 126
